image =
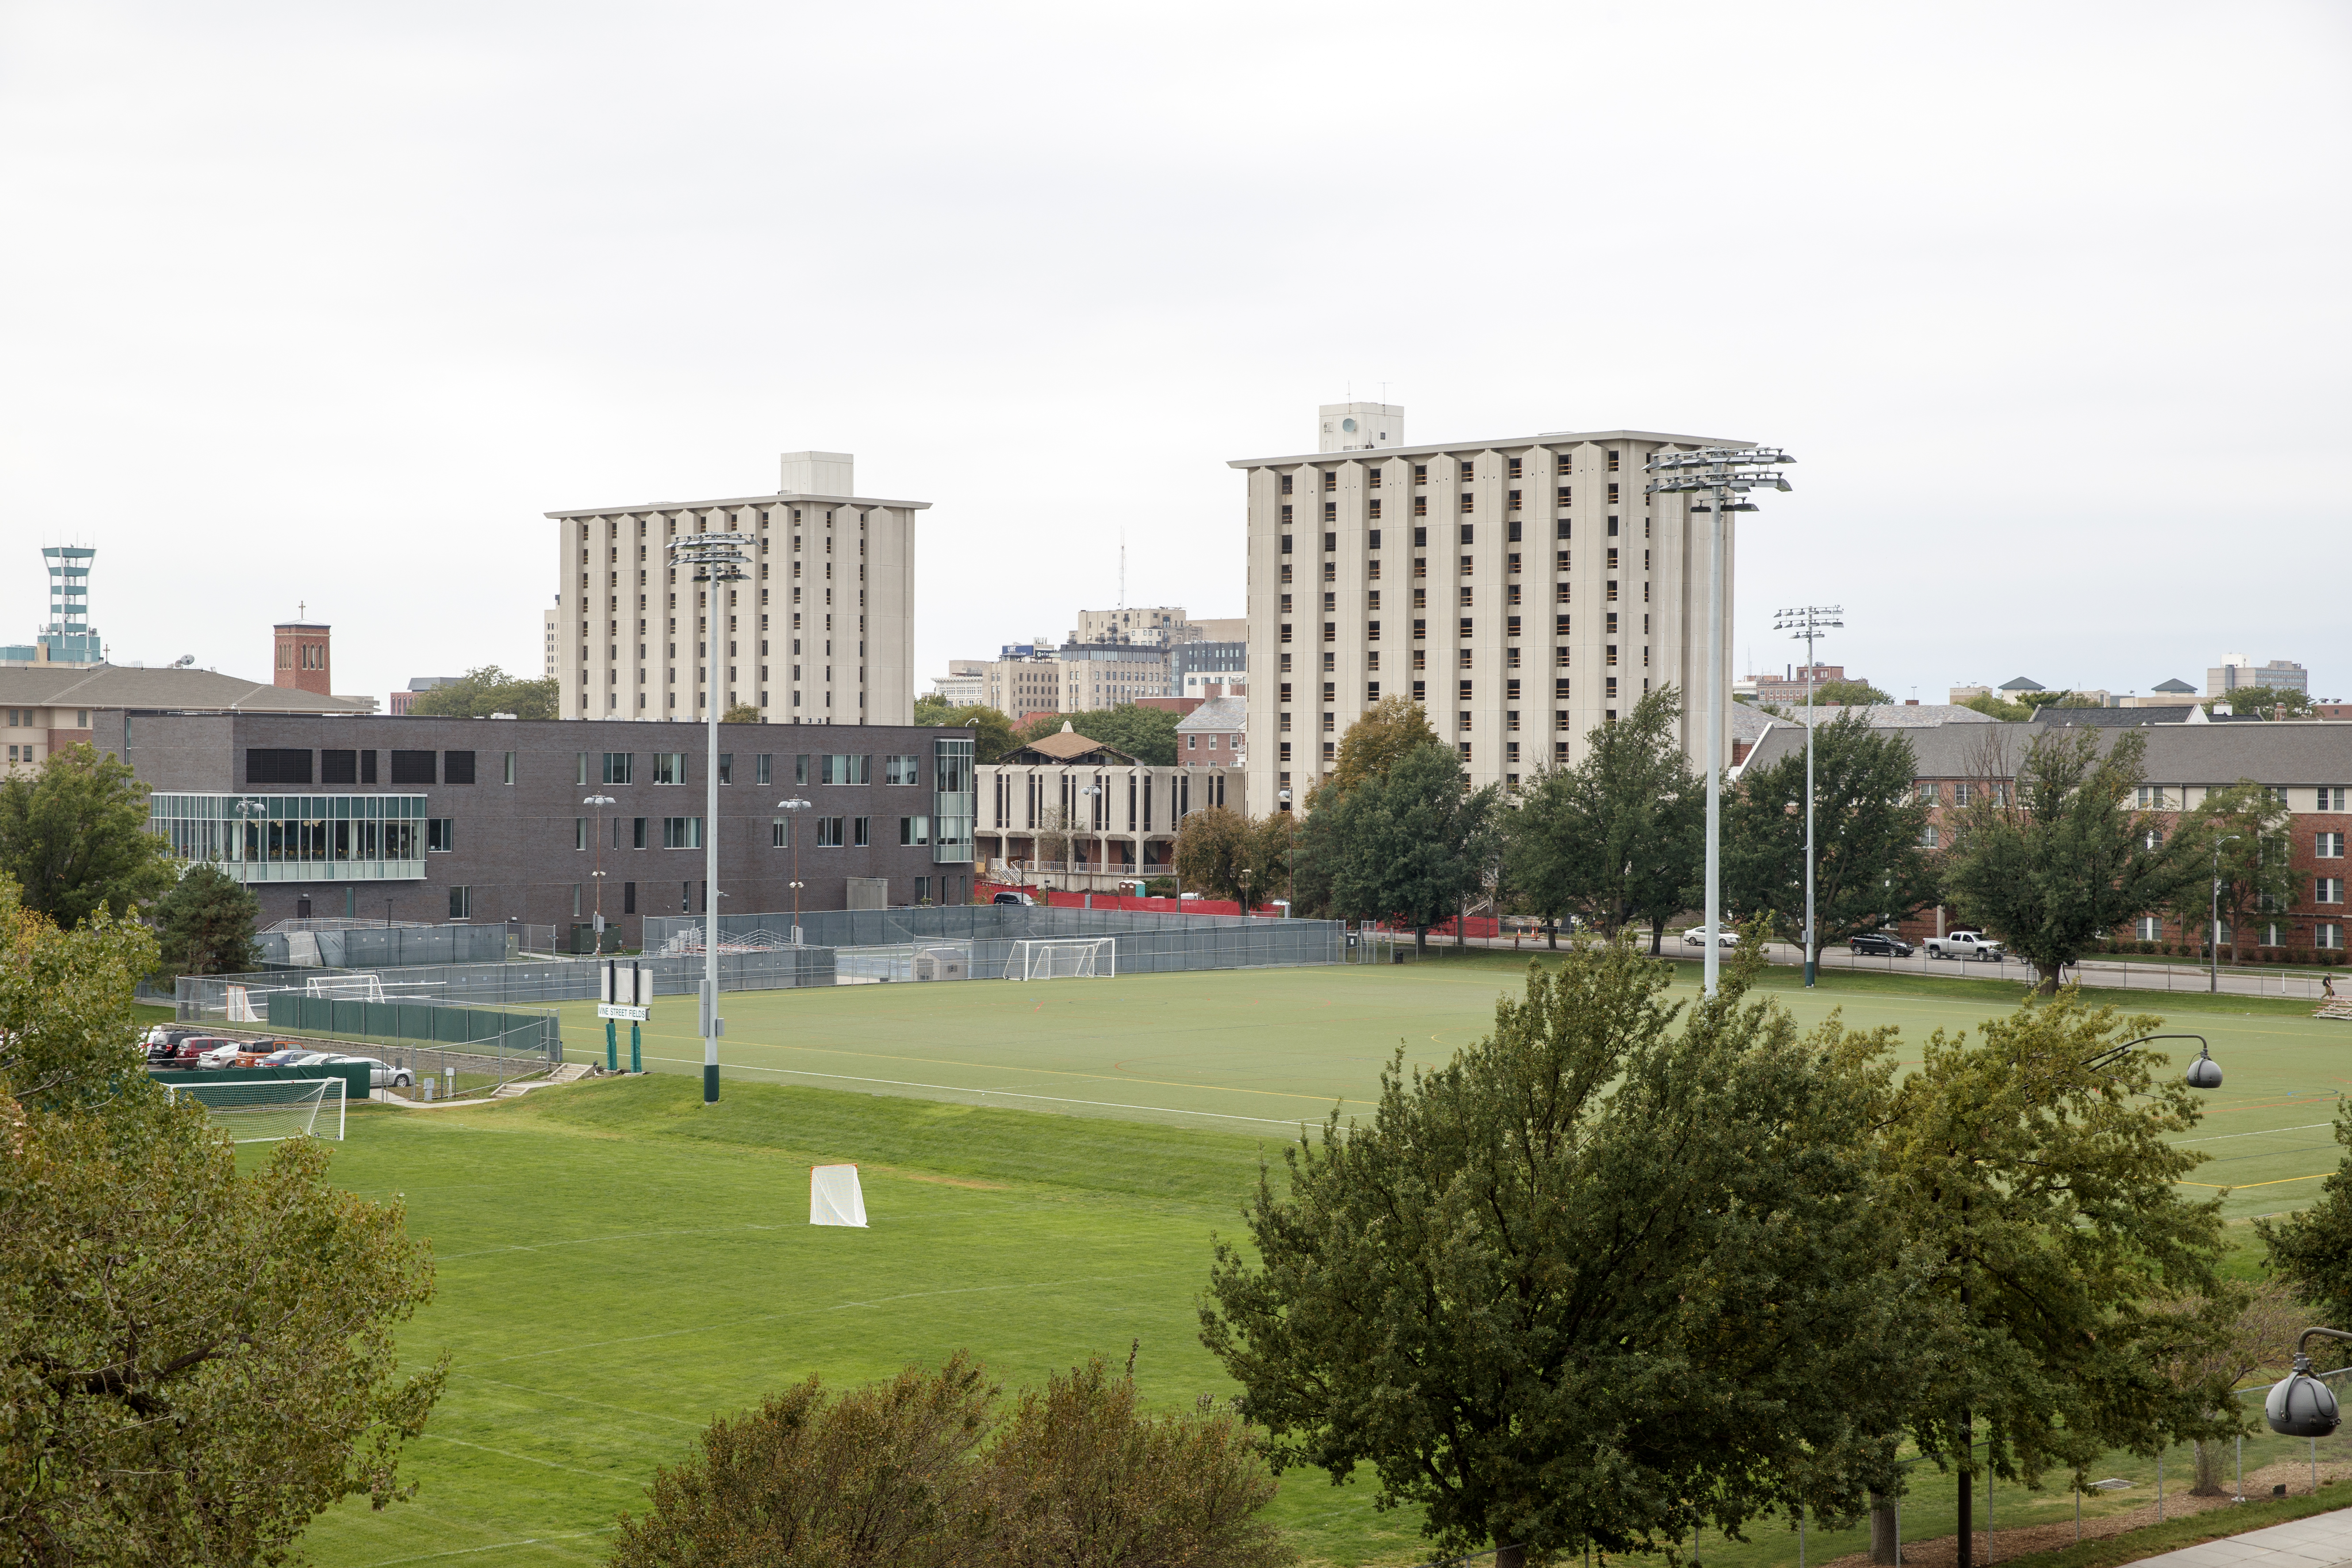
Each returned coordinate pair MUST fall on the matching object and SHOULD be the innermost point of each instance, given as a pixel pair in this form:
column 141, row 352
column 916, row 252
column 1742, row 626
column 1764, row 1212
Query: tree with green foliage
column 2311, row 1251
column 2062, row 861
column 198, row 1363
column 1618, row 838
column 2247, row 824
column 74, row 838
column 1997, row 707
column 205, row 924
column 1390, row 729
column 478, row 693
column 2034, row 1174
column 1846, row 694
column 1870, row 867
column 1212, row 847
column 992, row 732
column 1147, row 734
column 2267, row 701
column 742, row 713
column 1411, row 843
column 921, row 1471
column 1599, row 1280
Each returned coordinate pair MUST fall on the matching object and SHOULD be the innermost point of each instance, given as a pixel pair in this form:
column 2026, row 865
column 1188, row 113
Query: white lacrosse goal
column 263, row 1112
column 1063, row 958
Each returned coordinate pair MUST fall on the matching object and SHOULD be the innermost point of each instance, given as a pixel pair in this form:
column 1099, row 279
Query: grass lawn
column 1044, row 1165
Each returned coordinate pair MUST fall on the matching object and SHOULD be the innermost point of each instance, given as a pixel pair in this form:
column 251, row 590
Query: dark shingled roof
column 2299, row 751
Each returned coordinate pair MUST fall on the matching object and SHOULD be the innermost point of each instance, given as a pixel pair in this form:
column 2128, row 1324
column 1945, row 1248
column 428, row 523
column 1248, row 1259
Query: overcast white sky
column 328, row 302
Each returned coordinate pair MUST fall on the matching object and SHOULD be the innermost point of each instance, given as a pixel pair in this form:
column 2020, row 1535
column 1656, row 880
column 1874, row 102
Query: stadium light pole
column 711, row 559
column 2213, row 952
column 1723, row 476
column 1809, row 622
column 794, row 807
column 600, row 802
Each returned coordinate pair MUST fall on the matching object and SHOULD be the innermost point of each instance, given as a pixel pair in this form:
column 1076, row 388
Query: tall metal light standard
column 1809, row 622
column 794, row 807
column 1721, row 474
column 712, row 559
column 2213, row 951
column 597, row 876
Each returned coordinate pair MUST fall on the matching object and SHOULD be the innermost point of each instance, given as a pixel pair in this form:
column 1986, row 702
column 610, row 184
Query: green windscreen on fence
column 421, row 1021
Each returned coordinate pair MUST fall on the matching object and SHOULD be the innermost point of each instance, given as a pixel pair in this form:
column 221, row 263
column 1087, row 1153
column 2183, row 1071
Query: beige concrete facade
column 1039, row 819
column 820, row 630
column 1572, row 596
column 1077, row 680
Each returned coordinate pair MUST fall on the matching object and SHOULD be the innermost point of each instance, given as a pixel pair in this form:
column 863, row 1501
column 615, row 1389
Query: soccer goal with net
column 1063, row 958
column 262, row 1112
column 365, row 987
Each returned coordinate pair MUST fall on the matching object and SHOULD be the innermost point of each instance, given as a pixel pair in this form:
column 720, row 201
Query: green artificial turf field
column 617, row 1263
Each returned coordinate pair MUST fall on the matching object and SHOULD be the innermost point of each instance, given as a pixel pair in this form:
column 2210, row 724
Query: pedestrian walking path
column 2322, row 1541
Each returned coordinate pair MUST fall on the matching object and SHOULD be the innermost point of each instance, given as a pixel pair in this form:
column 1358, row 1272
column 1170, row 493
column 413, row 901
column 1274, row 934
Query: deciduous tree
column 1600, row 1279
column 742, row 713
column 74, row 838
column 2311, row 1251
column 992, row 732
column 2062, row 859
column 1619, row 837
column 1147, row 734
column 193, row 1364
column 2248, row 826
column 478, row 693
column 1212, row 847
column 1390, row 729
column 1412, row 842
column 1844, row 693
column 205, row 924
column 1870, row 869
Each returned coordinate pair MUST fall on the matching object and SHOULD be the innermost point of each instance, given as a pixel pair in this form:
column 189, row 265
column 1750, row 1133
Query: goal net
column 1063, row 958
column 263, row 1112
column 365, row 987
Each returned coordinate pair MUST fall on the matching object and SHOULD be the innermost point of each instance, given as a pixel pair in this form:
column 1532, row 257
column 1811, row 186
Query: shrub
column 2148, row 947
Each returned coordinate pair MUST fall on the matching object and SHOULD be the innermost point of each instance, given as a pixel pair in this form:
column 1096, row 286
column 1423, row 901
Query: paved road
column 2120, row 976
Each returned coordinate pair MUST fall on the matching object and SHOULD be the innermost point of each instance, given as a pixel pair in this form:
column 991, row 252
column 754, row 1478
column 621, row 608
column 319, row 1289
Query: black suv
column 1879, row 943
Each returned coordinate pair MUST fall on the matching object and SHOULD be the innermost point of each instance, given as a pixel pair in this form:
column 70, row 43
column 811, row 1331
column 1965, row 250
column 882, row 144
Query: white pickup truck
column 1964, row 944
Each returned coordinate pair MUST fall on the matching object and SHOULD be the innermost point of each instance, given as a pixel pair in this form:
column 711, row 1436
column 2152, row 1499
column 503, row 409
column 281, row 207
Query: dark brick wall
column 513, row 843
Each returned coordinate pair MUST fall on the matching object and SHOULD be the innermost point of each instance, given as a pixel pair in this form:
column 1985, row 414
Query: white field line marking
column 528, row 1460
column 1003, row 1093
column 498, row 1546
column 2266, row 1133
column 810, row 1312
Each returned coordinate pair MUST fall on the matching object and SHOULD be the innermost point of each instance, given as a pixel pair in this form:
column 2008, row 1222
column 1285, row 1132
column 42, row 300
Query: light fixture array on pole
column 711, row 559
column 1722, row 477
column 1808, row 623
column 793, row 808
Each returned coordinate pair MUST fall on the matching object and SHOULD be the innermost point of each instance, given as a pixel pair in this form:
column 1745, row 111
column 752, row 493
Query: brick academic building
column 490, row 820
column 2307, row 764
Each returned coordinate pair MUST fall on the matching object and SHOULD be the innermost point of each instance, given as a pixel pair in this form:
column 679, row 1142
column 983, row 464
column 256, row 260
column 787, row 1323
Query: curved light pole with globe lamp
column 2301, row 1405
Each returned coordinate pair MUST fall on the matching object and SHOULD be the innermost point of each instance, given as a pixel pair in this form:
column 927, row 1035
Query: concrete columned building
column 1523, row 590
column 820, row 631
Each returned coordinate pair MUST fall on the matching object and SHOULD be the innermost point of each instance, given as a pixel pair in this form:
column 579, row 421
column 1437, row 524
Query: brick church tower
column 303, row 662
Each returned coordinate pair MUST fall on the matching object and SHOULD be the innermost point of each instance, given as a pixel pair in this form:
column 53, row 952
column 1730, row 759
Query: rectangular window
column 669, row 767
column 411, row 767
column 367, row 767
column 440, row 834
column 2331, row 797
column 914, row 830
column 461, row 903
column 457, row 767
column 779, row 833
column 2328, row 846
column 763, row 771
column 1469, row 503
column 580, row 759
column 2327, row 934
column 620, row 767
column 270, row 764
column 828, row 832
column 2327, row 891
column 799, row 770
column 902, row 770
column 637, row 833
column 727, row 767
column 1330, row 511
column 842, row 770
column 681, row 832
column 339, row 767
column 580, row 833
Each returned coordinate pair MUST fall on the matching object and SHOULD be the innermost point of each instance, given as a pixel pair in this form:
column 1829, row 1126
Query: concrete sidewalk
column 2323, row 1540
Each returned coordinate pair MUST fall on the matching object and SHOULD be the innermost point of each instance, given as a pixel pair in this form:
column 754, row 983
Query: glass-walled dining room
column 296, row 837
